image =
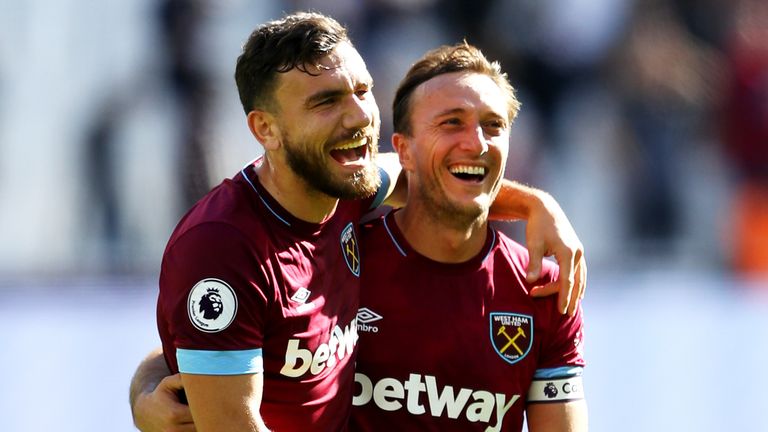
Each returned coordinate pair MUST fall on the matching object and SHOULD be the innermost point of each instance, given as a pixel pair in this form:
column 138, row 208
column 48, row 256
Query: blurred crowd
column 646, row 119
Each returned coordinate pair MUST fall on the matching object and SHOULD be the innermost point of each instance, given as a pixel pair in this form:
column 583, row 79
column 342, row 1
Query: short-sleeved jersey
column 245, row 287
column 457, row 347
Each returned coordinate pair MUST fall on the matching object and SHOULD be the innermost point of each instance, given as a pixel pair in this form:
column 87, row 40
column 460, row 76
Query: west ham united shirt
column 457, row 347
column 247, row 288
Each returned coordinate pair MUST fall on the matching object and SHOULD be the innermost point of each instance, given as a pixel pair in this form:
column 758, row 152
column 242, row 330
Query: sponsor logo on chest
column 420, row 394
column 340, row 344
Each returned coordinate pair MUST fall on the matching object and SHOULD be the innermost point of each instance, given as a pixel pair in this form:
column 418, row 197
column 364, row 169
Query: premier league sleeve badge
column 212, row 305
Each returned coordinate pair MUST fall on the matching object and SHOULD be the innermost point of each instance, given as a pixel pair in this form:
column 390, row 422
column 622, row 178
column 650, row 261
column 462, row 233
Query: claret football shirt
column 457, row 347
column 245, row 288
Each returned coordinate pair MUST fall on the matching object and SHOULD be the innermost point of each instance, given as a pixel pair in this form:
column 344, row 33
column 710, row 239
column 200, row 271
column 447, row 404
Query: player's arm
column 547, row 233
column 556, row 400
column 154, row 398
column 222, row 403
column 219, row 358
column 557, row 417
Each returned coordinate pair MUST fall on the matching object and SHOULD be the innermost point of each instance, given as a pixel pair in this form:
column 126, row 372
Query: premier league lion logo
column 550, row 390
column 212, row 305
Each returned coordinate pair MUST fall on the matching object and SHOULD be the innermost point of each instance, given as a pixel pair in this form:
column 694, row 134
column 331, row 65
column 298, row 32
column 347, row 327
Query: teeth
column 352, row 144
column 465, row 169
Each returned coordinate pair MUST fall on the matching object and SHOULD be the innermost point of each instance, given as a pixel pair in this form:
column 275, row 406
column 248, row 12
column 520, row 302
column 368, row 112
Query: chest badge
column 511, row 335
column 350, row 250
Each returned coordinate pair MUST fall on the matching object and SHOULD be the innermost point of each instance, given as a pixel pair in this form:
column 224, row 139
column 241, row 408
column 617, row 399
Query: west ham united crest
column 511, row 335
column 211, row 305
column 350, row 250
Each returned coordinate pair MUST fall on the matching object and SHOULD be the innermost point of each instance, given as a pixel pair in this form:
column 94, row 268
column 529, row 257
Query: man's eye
column 322, row 103
column 361, row 93
column 494, row 127
column 451, row 122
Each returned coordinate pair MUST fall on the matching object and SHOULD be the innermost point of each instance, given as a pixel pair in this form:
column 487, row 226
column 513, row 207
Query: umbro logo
column 301, row 296
column 366, row 316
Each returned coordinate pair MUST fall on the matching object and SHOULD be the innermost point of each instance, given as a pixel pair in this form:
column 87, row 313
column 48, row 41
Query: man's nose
column 475, row 140
column 360, row 113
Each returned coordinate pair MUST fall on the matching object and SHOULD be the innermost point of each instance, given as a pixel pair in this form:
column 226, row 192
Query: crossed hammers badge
column 511, row 335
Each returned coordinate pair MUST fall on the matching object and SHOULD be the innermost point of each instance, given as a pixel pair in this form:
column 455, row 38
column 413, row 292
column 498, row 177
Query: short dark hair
column 296, row 41
column 461, row 57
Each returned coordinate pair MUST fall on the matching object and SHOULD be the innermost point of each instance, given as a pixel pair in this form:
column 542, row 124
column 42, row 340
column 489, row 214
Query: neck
column 293, row 193
column 439, row 239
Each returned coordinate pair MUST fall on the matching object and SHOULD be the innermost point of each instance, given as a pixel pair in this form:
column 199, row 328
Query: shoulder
column 223, row 226
column 518, row 256
column 214, row 254
column 209, row 244
column 223, row 215
column 374, row 221
column 380, row 236
column 212, row 206
column 358, row 208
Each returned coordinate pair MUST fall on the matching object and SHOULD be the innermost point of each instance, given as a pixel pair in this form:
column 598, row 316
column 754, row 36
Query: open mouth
column 469, row 173
column 353, row 151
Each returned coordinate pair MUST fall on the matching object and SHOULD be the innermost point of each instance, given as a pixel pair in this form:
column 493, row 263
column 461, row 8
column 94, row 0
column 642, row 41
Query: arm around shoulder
column 515, row 201
column 548, row 232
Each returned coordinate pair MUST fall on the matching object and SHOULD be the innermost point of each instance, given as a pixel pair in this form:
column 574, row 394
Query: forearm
column 558, row 417
column 149, row 373
column 225, row 402
column 516, row 201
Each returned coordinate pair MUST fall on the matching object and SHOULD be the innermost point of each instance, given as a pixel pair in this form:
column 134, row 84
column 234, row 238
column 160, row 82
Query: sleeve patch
column 205, row 362
column 212, row 305
column 556, row 390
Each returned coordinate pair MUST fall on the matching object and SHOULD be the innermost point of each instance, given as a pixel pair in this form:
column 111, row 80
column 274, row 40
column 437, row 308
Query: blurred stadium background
column 646, row 119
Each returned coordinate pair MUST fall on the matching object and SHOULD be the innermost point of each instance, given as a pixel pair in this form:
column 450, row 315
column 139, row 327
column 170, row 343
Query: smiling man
column 450, row 339
column 281, row 348
column 277, row 247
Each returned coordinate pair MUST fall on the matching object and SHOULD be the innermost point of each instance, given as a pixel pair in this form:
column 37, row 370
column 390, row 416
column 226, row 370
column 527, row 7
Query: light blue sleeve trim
column 559, row 372
column 203, row 362
column 381, row 194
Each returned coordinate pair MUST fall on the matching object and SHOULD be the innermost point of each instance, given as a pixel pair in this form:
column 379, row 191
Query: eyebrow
column 460, row 110
column 450, row 111
column 333, row 93
column 324, row 94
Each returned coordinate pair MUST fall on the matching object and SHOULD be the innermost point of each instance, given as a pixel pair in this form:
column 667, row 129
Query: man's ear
column 263, row 126
column 402, row 145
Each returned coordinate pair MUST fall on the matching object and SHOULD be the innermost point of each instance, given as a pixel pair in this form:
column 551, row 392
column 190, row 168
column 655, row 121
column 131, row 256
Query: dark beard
column 314, row 172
